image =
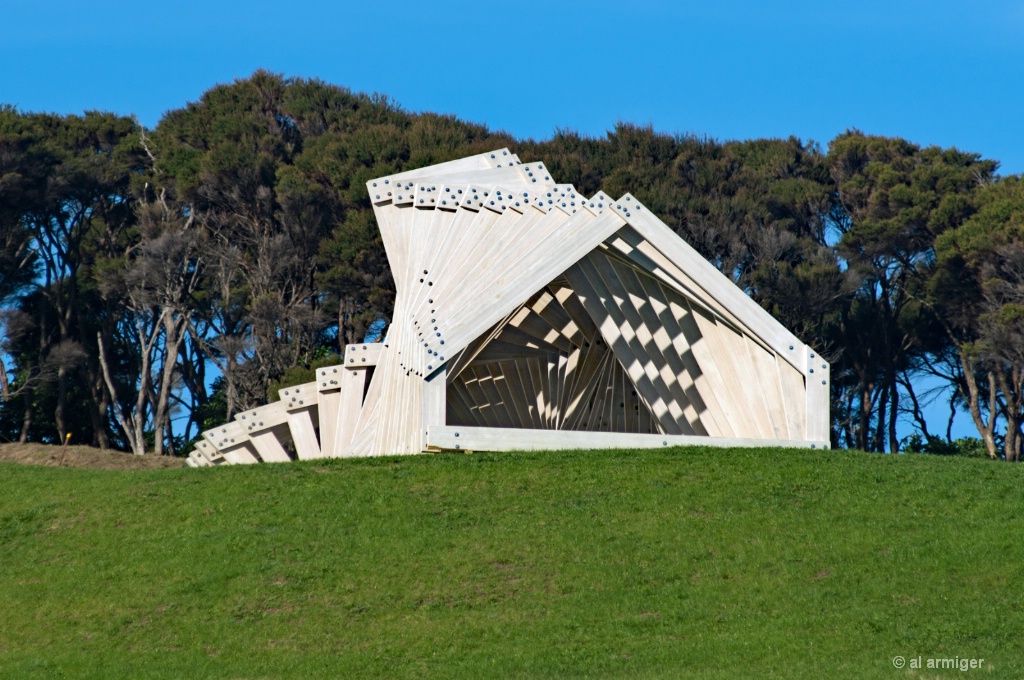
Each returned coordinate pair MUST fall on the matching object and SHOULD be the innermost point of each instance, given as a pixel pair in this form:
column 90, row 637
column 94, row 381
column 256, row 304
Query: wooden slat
column 534, row 325
column 679, row 355
column 301, row 403
column 728, row 413
column 569, row 302
column 362, row 356
column 719, row 288
column 766, row 374
column 243, row 454
column 269, row 444
column 471, row 313
column 379, row 186
column 519, row 373
column 730, row 360
column 548, row 308
column 458, row 411
column 516, row 407
column 232, row 443
column 753, row 393
column 618, row 334
column 498, row 439
column 362, row 441
column 500, row 408
column 328, row 406
column 226, row 436
column 633, row 248
column 301, row 425
column 585, row 379
column 538, row 377
column 479, row 400
column 514, row 336
column 818, row 378
column 474, row 349
column 353, row 384
column 435, row 402
column 498, row 351
column 794, row 396
column 207, row 451
column 662, row 369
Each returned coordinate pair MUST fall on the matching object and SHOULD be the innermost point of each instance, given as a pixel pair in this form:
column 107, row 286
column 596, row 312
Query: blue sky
column 940, row 72
column 936, row 72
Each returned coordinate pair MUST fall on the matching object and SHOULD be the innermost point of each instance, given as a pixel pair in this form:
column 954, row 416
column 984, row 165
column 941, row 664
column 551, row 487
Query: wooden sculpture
column 528, row 316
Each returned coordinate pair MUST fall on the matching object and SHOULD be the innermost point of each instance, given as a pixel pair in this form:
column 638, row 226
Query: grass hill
column 690, row 563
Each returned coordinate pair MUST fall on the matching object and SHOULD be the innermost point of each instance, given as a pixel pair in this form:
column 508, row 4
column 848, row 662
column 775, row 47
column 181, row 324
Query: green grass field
column 671, row 563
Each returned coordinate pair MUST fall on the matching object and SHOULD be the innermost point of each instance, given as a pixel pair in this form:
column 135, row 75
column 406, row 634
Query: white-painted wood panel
column 452, row 438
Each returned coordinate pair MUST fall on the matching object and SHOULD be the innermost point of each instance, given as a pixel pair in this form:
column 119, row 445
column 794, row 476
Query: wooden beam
column 301, row 402
column 458, row 438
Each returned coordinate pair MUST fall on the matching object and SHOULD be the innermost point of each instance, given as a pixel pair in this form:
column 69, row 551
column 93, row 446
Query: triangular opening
column 548, row 367
column 621, row 343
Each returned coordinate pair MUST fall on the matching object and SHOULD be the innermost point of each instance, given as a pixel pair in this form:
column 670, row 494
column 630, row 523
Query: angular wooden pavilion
column 528, row 316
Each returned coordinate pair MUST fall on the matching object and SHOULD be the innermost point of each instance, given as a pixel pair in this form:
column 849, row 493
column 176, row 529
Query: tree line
column 235, row 240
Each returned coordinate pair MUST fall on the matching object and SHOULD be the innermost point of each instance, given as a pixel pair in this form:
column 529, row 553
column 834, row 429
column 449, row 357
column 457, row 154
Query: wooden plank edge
column 458, row 438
